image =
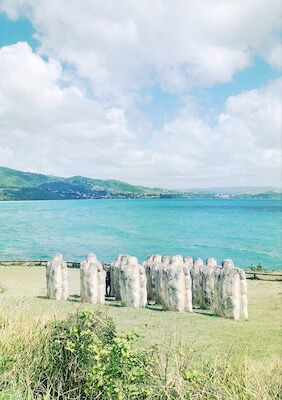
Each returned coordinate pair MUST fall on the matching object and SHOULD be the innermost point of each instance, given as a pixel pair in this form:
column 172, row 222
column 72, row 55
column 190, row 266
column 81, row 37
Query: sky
column 175, row 94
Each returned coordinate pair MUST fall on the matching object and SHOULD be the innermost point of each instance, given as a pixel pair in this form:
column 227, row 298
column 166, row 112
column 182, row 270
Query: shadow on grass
column 73, row 298
column 149, row 307
column 154, row 307
column 207, row 314
column 113, row 304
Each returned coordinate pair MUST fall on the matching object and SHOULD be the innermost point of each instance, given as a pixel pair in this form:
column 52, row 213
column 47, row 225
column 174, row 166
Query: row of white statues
column 177, row 284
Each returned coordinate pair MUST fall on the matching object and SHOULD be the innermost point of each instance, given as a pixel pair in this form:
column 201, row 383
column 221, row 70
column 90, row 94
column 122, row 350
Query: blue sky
column 146, row 87
column 15, row 31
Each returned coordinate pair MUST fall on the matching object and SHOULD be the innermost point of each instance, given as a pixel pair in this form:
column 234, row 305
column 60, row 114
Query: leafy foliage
column 88, row 359
column 258, row 268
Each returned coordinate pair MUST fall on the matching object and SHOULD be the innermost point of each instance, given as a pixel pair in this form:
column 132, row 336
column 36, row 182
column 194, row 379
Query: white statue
column 208, row 282
column 133, row 285
column 115, row 275
column 196, row 274
column 244, row 295
column 174, row 283
column 148, row 264
column 57, row 278
column 65, row 284
column 188, row 265
column 152, row 262
column 114, row 278
column 230, row 292
column 92, row 280
column 160, row 288
column 143, row 286
column 174, row 299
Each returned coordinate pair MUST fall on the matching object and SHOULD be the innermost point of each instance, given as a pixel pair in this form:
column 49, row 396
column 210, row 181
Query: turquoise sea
column 248, row 231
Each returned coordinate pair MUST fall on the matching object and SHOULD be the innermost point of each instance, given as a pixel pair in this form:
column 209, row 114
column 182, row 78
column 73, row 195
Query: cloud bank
column 72, row 106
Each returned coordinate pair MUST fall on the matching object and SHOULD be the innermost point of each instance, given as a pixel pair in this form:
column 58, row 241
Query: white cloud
column 243, row 148
column 274, row 56
column 52, row 127
column 122, row 46
column 260, row 111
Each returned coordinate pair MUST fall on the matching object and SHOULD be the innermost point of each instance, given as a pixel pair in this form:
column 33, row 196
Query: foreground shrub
column 258, row 268
column 88, row 359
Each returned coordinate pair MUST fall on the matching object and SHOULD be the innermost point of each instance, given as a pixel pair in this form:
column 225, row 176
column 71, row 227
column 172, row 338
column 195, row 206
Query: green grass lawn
column 22, row 293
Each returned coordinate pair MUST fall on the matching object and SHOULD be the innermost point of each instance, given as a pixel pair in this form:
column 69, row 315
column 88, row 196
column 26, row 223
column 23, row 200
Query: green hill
column 112, row 186
column 10, row 178
column 18, row 185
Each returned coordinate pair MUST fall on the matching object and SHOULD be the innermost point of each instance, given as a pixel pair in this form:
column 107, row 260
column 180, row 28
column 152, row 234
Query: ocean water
column 248, row 231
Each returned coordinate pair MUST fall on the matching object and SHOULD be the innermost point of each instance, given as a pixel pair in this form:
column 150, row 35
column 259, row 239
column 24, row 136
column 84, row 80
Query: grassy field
column 189, row 355
column 22, row 293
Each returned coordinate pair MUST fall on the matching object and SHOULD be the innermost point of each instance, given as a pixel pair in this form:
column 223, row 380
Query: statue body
column 115, row 274
column 133, row 284
column 57, row 278
column 188, row 265
column 197, row 276
column 160, row 283
column 151, row 264
column 231, row 292
column 208, row 282
column 92, row 280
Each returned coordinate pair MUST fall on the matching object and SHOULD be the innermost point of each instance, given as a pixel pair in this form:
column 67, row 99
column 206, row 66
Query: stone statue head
column 132, row 260
column 57, row 257
column 91, row 257
column 166, row 259
column 157, row 258
column 211, row 262
column 188, row 260
column 198, row 262
column 177, row 258
column 124, row 258
column 228, row 263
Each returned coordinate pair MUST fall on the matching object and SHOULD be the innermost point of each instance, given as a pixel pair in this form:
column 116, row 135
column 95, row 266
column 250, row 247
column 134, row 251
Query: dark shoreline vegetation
column 84, row 357
column 18, row 185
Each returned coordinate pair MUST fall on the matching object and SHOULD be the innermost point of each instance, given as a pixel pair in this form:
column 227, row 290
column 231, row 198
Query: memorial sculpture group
column 176, row 283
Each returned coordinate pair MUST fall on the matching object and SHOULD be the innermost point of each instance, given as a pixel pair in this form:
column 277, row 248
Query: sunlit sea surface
column 248, row 231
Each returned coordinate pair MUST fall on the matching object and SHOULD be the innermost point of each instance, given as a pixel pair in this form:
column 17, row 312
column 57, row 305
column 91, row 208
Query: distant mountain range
column 234, row 190
column 18, row 185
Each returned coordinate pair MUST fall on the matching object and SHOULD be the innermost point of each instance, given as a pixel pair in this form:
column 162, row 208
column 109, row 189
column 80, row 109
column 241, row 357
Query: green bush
column 258, row 268
column 88, row 359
